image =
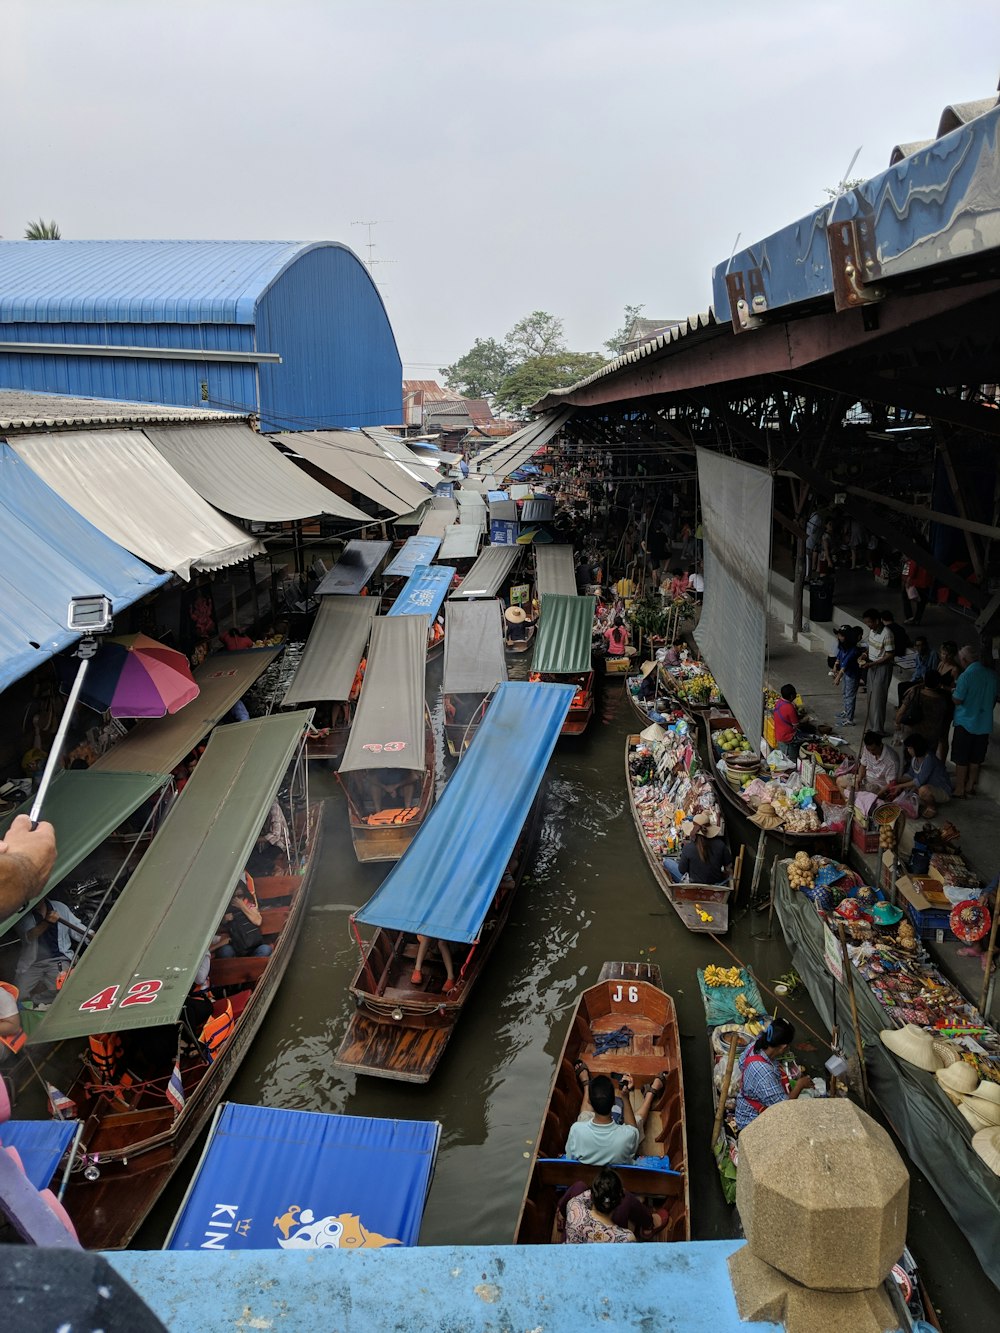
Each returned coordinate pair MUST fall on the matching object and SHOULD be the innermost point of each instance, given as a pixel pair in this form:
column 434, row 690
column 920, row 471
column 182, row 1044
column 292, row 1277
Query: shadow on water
column 589, row 897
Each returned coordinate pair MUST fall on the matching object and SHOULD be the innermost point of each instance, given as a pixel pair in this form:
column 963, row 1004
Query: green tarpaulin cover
column 335, row 646
column 566, row 626
column 139, row 968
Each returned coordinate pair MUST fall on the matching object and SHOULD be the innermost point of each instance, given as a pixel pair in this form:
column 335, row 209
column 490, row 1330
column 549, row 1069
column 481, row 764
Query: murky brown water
column 590, row 898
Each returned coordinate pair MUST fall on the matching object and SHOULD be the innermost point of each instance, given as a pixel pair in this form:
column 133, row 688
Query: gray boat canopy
column 358, row 562
column 335, row 647
column 388, row 730
column 473, row 648
column 486, row 575
column 554, row 570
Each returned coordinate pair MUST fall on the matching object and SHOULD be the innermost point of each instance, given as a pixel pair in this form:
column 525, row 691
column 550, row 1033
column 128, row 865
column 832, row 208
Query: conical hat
column 969, row 1113
column 913, row 1045
column 646, row 668
column 957, row 1080
column 986, row 1142
column 653, row 733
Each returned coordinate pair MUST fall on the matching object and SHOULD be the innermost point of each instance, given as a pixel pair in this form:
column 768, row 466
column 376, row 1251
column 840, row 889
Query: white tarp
column 736, row 500
column 127, row 489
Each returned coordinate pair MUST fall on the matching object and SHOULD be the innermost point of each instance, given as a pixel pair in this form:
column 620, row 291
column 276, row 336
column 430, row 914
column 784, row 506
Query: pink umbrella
column 136, row 676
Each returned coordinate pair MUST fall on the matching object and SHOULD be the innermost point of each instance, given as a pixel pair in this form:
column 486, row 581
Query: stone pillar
column 823, row 1194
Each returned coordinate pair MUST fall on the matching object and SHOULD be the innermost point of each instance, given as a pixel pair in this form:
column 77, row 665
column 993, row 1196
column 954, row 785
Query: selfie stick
column 86, row 650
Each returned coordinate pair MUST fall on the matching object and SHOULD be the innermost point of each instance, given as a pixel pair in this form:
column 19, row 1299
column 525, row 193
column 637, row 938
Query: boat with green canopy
column 331, row 669
column 563, row 653
column 151, row 1079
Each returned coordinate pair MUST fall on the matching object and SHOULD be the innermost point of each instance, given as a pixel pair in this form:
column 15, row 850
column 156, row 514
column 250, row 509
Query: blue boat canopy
column 414, row 551
column 445, row 883
column 40, row 1145
column 423, row 592
column 301, row 1180
column 49, row 554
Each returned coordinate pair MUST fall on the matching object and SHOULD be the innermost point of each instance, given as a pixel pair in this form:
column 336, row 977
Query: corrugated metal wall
column 340, row 366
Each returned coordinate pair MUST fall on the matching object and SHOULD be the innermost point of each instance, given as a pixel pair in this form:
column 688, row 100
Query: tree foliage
column 616, row 343
column 537, row 375
column 42, row 231
column 537, row 334
column 480, row 372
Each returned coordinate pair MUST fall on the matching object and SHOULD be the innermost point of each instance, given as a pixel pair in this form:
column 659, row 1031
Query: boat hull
column 388, row 842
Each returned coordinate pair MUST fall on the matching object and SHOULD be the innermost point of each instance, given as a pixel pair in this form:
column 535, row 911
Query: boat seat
column 270, row 887
column 272, row 920
column 236, row 972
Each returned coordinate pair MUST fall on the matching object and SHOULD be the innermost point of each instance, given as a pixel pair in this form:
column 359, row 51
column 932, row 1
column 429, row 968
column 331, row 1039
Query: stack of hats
column 914, row 1045
column 986, row 1142
column 981, row 1106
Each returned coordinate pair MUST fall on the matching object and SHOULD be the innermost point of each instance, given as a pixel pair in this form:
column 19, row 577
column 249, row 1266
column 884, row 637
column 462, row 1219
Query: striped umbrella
column 136, row 676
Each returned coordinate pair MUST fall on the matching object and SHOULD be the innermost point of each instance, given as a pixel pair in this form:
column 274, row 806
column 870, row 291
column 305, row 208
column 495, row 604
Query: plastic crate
column 827, row 789
column 933, row 924
column 866, row 840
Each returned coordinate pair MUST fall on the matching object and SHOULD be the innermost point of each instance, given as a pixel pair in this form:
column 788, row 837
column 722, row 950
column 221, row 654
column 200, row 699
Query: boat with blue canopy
column 439, row 912
column 303, row 1180
column 563, row 653
column 422, row 595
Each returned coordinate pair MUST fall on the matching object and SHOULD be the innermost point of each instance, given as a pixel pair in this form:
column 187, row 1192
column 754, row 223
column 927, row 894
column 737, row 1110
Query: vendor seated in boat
column 705, row 858
column 761, row 1084
column 616, row 638
column 242, row 925
column 444, row 949
column 394, row 789
column 597, row 1139
column 517, row 622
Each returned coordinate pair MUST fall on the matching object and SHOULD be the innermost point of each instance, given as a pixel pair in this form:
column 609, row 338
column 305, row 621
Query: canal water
column 589, row 898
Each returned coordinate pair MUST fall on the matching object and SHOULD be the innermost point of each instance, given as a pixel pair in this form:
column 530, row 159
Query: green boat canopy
column 563, row 644
column 139, row 967
column 388, row 730
column 85, row 806
column 335, row 647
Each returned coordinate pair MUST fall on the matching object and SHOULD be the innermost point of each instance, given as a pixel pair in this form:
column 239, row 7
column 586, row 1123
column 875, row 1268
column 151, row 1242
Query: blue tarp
column 495, row 496
column 414, row 551
column 300, row 1180
column 424, row 591
column 40, row 1145
column 49, row 554
column 445, row 883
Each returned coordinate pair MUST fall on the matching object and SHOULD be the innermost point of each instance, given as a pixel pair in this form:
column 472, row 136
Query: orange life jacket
column 359, row 677
column 382, row 818
column 106, row 1052
column 437, row 632
column 217, row 1032
column 579, row 699
column 13, row 1043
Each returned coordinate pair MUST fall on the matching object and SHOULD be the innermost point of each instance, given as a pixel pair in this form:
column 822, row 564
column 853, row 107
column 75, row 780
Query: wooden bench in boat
column 236, row 972
column 276, row 886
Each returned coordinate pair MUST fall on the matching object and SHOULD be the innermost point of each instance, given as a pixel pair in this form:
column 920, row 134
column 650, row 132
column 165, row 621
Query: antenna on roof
column 371, row 261
column 847, row 174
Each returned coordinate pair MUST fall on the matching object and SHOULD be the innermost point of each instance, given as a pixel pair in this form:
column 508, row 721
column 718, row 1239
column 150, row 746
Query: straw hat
column 703, row 824
column 949, row 1055
column 646, row 668
column 766, row 817
column 986, row 1142
column 653, row 733
column 985, row 1101
column 515, row 615
column 913, row 1045
column 972, row 1117
column 957, row 1080
column 884, row 914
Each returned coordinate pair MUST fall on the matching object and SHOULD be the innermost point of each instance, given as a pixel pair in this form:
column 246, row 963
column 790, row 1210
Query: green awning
column 160, row 928
column 563, row 644
column 85, row 806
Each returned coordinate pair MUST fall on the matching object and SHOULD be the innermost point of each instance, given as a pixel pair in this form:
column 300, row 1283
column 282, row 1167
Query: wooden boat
column 702, row 907
column 626, row 994
column 453, row 886
column 520, row 645
column 692, row 708
column 376, row 835
column 582, row 707
column 640, row 707
column 473, row 667
column 719, row 720
column 563, row 653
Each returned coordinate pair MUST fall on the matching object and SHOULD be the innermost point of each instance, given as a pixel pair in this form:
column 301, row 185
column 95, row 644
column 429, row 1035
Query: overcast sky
column 565, row 155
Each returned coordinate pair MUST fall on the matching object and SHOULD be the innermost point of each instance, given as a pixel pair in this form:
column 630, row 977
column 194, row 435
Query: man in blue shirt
column 975, row 699
column 596, row 1138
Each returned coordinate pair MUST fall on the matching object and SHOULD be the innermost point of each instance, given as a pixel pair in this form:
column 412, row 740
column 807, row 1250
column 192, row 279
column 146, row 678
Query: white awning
column 438, row 517
column 244, row 474
column 388, row 472
column 128, row 490
column 525, row 444
column 340, row 464
column 461, row 541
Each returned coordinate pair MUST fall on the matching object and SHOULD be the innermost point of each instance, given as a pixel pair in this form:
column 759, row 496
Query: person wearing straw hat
column 517, row 623
column 705, row 858
column 647, row 687
column 766, row 817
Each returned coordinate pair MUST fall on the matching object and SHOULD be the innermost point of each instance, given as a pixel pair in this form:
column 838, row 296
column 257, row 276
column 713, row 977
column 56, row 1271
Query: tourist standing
column 879, row 652
column 846, row 672
column 975, row 699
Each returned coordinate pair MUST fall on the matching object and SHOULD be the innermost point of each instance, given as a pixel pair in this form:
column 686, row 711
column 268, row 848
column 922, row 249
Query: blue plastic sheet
column 40, row 1145
column 49, row 554
column 300, row 1180
column 445, row 883
column 423, row 592
column 414, row 551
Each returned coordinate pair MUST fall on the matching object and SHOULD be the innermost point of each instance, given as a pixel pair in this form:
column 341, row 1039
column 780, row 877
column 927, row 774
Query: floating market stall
column 691, row 683
column 563, row 653
column 422, row 595
column 474, row 665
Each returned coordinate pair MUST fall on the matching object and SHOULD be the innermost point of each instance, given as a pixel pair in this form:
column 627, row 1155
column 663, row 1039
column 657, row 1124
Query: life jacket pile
column 217, row 1032
column 383, row 818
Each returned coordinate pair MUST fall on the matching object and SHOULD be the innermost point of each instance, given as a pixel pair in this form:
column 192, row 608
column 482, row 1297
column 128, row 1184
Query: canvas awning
column 566, row 625
column 554, row 570
column 538, row 510
column 376, row 1171
column 49, row 554
column 414, row 551
column 242, row 473
column 40, row 1145
column 504, row 511
column 472, row 499
column 388, row 730
column 445, row 883
column 349, row 456
column 85, row 805
column 423, row 592
column 165, row 522
column 393, row 447
column 487, row 574
column 473, row 648
column 461, row 542
column 358, row 562
column 335, row 647
column 438, row 517
column 159, row 744
column 525, row 444
column 138, row 969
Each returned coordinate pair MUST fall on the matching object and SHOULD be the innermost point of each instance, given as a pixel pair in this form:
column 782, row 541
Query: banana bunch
column 744, row 1008
column 722, row 976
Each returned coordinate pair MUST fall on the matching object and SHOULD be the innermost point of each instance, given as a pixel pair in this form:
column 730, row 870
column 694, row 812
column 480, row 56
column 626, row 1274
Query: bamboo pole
column 984, row 996
column 855, row 1022
column 727, row 1078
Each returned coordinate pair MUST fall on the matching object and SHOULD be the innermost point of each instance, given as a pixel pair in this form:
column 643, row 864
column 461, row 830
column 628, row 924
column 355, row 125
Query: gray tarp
column 438, row 518
column 503, row 511
column 341, row 463
column 335, row 646
column 389, row 472
column 461, row 542
column 538, row 510
column 244, row 474
column 933, row 1133
column 489, row 571
column 388, row 730
column 525, row 444
column 358, row 562
column 554, row 570
column 473, row 648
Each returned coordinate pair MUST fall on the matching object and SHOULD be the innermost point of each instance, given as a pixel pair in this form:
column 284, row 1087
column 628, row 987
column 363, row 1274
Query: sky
column 564, row 155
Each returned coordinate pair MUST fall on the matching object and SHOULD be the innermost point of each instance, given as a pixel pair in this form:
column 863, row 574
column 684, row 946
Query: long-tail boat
column 144, row 1104
column 422, row 595
column 563, row 653
column 473, row 667
column 388, row 767
column 328, row 674
column 628, row 1000
column 455, row 886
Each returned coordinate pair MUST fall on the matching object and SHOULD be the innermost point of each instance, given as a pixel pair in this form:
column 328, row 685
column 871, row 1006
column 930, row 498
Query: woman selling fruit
column 786, row 723
column 761, row 1084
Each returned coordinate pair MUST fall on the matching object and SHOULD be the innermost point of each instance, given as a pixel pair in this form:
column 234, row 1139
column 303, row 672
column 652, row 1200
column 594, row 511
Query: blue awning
column 300, row 1180
column 423, row 592
column 49, row 554
column 40, row 1145
column 445, row 883
column 414, row 551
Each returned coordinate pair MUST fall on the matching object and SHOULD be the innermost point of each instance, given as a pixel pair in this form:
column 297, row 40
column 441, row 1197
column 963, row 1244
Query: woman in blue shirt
column 926, row 774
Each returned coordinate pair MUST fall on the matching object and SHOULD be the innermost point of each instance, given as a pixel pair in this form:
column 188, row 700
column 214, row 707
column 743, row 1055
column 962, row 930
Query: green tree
column 537, row 334
column 616, row 343
column 479, row 373
column 537, row 375
column 42, row 231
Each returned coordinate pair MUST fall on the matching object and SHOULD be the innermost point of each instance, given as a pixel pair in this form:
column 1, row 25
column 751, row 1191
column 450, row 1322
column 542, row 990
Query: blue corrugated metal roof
column 169, row 282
